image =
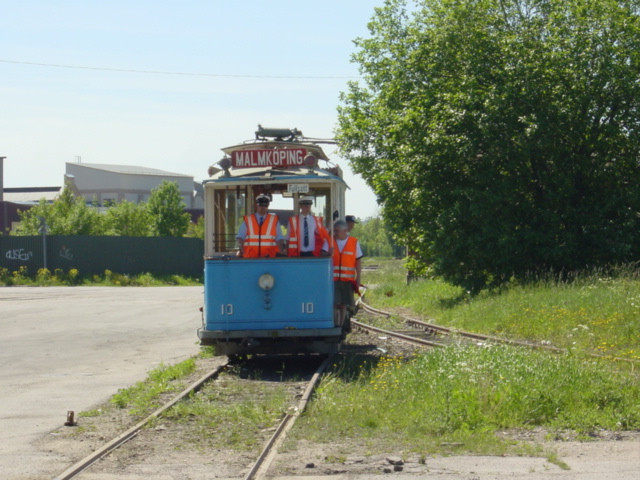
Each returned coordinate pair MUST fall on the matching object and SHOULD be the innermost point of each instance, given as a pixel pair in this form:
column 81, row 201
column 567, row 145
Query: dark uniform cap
column 263, row 199
column 351, row 218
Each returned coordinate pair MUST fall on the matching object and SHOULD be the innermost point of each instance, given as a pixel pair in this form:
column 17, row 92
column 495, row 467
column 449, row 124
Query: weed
column 91, row 413
column 463, row 394
column 143, row 396
column 45, row 277
column 552, row 457
column 231, row 414
column 586, row 313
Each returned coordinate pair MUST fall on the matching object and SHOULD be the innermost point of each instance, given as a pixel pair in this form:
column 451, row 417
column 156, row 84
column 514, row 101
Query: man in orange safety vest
column 347, row 266
column 260, row 234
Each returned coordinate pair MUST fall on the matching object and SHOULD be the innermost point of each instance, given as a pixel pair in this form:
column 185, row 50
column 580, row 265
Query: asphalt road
column 70, row 348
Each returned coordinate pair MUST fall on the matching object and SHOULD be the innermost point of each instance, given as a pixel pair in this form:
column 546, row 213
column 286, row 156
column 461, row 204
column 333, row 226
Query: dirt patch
column 602, row 459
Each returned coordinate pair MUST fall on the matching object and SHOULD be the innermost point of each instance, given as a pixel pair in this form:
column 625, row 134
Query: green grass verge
column 592, row 313
column 456, row 398
column 144, row 396
column 44, row 278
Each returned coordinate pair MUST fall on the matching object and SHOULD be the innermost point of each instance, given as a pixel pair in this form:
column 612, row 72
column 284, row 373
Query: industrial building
column 101, row 184
column 106, row 184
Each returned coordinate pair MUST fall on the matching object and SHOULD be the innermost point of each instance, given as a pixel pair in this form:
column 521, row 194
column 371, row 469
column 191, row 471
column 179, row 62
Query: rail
column 486, row 338
column 270, row 450
column 87, row 461
column 397, row 335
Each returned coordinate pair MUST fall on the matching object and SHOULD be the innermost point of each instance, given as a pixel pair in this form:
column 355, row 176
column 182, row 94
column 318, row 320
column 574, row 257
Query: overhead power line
column 186, row 74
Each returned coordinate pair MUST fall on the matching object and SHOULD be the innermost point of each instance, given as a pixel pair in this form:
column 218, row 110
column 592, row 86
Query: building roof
column 129, row 169
column 30, row 194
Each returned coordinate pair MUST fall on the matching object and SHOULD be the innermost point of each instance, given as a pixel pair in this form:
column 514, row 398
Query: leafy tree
column 375, row 238
column 196, row 230
column 127, row 219
column 501, row 136
column 67, row 215
column 166, row 211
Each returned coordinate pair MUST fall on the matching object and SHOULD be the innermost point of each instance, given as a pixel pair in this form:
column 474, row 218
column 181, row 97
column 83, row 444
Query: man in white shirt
column 306, row 234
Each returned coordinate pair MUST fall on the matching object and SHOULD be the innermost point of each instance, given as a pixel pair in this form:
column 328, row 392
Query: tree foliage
column 127, row 219
column 163, row 215
column 501, row 136
column 375, row 239
column 166, row 211
column 68, row 215
column 196, row 230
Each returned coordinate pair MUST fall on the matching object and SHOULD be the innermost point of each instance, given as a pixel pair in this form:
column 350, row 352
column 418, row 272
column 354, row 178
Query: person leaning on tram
column 346, row 270
column 307, row 235
column 260, row 234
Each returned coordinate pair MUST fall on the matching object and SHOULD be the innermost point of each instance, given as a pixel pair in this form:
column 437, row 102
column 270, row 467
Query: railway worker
column 347, row 266
column 351, row 222
column 306, row 234
column 260, row 234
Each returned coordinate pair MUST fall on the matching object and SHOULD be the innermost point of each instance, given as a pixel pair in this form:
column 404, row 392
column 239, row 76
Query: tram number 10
column 226, row 309
column 307, row 308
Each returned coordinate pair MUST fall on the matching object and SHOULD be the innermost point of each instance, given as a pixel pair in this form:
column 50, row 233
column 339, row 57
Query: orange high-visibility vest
column 344, row 263
column 321, row 234
column 261, row 241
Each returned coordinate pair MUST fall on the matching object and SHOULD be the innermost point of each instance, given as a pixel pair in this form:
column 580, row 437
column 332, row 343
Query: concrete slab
column 69, row 348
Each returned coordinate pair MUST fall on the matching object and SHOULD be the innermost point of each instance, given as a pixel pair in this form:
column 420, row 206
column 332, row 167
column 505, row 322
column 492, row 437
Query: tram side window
column 231, row 206
column 321, row 206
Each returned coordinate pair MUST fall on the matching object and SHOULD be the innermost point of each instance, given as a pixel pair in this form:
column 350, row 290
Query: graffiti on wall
column 19, row 254
column 65, row 253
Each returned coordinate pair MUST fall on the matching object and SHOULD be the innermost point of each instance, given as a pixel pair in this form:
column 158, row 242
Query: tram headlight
column 266, row 281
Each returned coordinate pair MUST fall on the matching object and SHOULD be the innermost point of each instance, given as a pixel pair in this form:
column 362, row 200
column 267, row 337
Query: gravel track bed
column 171, row 448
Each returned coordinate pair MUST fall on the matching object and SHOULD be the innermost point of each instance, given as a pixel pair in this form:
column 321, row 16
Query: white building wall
column 101, row 185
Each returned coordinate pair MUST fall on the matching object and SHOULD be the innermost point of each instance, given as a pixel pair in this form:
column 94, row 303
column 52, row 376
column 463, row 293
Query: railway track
column 270, row 450
column 83, row 464
column 408, row 337
column 440, row 331
column 256, row 471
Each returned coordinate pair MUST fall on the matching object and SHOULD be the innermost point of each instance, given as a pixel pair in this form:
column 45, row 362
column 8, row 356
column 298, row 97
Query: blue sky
column 178, row 123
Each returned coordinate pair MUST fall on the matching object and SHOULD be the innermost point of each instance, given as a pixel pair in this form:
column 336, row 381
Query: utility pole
column 44, row 228
column 3, row 227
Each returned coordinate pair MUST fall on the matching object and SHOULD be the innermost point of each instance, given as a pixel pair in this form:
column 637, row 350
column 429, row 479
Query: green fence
column 93, row 255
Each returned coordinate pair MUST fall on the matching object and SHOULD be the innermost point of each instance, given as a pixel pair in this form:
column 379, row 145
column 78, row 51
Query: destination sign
column 298, row 188
column 284, row 158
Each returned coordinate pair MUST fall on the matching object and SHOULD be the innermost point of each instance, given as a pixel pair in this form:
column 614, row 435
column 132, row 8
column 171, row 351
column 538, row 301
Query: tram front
column 278, row 302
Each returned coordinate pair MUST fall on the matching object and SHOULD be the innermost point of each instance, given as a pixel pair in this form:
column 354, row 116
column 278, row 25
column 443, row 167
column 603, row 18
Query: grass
column 455, row 399
column 44, row 278
column 230, row 413
column 458, row 399
column 592, row 313
column 144, row 396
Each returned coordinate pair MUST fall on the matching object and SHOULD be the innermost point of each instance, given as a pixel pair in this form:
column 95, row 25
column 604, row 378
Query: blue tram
column 269, row 305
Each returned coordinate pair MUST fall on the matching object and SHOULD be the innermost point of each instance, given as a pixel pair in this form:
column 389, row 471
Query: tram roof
column 269, row 174
column 276, row 175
